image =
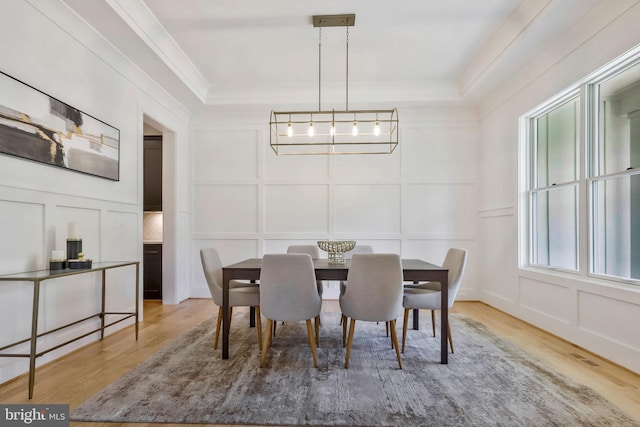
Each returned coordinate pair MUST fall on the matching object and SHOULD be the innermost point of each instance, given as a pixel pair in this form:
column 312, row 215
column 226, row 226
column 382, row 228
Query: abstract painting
column 36, row 126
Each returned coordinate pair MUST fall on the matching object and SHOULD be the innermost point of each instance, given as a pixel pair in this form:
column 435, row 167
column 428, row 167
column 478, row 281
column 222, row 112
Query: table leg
column 252, row 314
column 225, row 313
column 444, row 314
column 34, row 336
column 416, row 315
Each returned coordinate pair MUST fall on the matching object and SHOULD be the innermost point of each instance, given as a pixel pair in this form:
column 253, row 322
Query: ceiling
column 418, row 53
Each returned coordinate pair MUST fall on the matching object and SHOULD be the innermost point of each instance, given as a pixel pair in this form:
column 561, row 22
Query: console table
column 40, row 276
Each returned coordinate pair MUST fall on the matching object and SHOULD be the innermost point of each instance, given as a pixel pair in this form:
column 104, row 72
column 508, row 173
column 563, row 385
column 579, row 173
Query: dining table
column 413, row 270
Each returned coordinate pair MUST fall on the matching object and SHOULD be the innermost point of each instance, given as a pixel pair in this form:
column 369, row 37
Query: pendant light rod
column 346, row 102
column 319, row 69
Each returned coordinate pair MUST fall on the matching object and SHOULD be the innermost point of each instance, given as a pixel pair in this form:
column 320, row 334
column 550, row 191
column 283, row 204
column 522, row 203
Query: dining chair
column 311, row 250
column 373, row 294
column 358, row 249
column 241, row 294
column 426, row 295
column 288, row 293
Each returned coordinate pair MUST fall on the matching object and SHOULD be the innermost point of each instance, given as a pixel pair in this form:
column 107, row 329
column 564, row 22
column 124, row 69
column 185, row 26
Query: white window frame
column 585, row 90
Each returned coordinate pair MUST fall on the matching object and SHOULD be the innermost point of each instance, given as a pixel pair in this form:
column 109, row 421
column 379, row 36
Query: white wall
column 418, row 201
column 48, row 47
column 601, row 317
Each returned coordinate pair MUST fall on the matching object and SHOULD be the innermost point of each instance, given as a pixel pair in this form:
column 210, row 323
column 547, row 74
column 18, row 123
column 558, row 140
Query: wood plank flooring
column 77, row 376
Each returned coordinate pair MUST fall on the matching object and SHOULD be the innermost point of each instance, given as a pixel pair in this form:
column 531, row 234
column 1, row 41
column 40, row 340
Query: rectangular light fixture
column 334, row 131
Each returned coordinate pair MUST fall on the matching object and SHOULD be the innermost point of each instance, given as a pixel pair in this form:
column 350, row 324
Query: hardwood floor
column 75, row 377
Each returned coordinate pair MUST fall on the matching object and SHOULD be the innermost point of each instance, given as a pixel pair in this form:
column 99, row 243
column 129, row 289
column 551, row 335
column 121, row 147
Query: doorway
column 152, row 215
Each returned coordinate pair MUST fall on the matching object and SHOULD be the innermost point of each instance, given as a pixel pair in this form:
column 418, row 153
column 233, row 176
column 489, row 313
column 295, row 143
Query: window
column 583, row 190
column 615, row 175
column 554, row 186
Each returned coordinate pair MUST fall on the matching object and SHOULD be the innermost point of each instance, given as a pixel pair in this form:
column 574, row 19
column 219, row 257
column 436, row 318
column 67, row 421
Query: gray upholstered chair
column 240, row 293
column 358, row 249
column 426, row 295
column 288, row 293
column 311, row 250
column 373, row 294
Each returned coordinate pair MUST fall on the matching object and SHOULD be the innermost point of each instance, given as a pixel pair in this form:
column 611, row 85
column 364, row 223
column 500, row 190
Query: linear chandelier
column 334, row 131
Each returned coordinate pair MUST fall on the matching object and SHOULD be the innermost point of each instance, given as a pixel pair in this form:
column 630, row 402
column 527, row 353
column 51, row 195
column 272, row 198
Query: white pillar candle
column 74, row 231
column 58, row 255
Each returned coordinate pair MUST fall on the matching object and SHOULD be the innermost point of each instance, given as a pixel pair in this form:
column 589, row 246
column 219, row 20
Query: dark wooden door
column 152, row 271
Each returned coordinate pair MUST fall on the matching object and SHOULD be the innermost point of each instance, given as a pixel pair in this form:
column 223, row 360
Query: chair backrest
column 455, row 261
column 312, row 250
column 359, row 249
column 374, row 288
column 288, row 289
column 212, row 267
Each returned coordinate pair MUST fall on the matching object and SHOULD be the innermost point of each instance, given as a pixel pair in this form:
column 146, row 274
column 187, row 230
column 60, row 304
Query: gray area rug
column 488, row 382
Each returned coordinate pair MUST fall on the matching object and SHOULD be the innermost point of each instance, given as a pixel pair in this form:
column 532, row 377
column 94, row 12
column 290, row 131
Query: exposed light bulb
column 289, row 130
column 354, row 131
column 376, row 129
column 311, row 131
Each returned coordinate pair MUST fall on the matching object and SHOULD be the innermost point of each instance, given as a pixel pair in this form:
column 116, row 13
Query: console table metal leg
column 104, row 292
column 34, row 336
column 137, row 296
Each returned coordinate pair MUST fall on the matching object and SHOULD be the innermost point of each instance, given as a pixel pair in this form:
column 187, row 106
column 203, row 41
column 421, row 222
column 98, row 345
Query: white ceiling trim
column 502, row 42
column 144, row 23
column 333, row 94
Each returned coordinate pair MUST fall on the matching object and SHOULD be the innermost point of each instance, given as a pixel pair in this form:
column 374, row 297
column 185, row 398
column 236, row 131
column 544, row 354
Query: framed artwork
column 36, row 126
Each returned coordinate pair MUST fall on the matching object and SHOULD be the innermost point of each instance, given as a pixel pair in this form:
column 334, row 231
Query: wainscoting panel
column 439, row 209
column 225, row 155
column 296, row 208
column 609, row 318
column 442, row 153
column 498, row 232
column 367, row 208
column 23, row 237
column 297, row 168
column 120, row 234
column 225, row 209
column 549, row 299
column 369, row 168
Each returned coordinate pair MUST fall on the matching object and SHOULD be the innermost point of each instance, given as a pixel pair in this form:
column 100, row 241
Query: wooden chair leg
column 258, row 325
column 344, row 331
column 275, row 324
column 404, row 327
column 317, row 325
column 352, row 326
column 449, row 337
column 394, row 338
column 218, row 324
column 267, row 342
column 433, row 322
column 312, row 343
column 386, row 326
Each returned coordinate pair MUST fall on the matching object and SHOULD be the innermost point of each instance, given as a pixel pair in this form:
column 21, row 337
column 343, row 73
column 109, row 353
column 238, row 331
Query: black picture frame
column 41, row 128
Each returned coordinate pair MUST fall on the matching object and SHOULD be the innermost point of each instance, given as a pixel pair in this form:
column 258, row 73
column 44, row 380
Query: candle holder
column 74, row 247
column 57, row 264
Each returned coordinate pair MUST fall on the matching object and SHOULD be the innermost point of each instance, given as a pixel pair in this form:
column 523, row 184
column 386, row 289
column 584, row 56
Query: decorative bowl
column 336, row 249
